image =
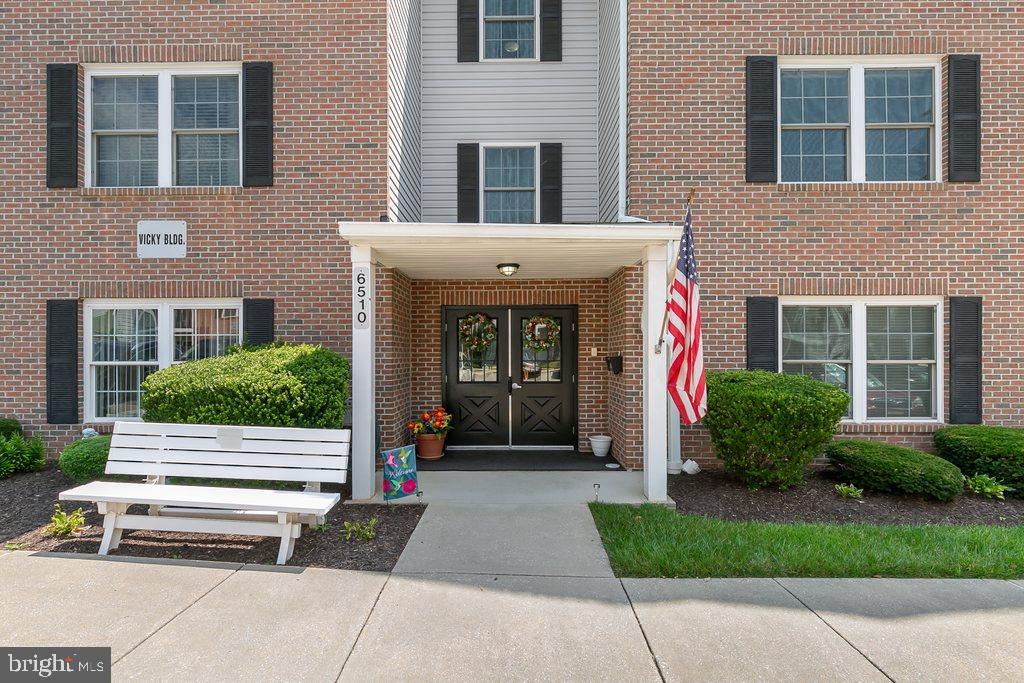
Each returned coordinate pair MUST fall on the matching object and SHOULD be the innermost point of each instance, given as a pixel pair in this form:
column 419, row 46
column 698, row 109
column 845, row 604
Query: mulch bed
column 29, row 500
column 717, row 494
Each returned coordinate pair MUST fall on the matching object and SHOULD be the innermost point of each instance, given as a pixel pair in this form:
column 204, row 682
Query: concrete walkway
column 505, row 593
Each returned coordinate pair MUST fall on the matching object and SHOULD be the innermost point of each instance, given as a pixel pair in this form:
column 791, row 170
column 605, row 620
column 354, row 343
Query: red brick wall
column 281, row 242
column 686, row 95
column 626, row 390
column 591, row 297
column 394, row 355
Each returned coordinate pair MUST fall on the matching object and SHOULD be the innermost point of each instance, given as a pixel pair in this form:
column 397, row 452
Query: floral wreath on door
column 541, row 333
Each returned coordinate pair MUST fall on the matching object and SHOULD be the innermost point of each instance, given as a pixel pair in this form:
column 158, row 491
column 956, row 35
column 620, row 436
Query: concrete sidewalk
column 175, row 620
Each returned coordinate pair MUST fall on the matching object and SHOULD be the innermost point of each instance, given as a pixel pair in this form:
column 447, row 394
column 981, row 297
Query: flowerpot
column 430, row 446
column 601, row 445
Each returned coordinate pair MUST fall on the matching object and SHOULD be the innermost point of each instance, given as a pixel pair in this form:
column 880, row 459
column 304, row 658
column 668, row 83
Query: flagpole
column 671, row 277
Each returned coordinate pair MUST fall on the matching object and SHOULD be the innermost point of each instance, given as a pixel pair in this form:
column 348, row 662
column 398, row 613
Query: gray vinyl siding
column 608, row 111
column 513, row 102
column 403, row 34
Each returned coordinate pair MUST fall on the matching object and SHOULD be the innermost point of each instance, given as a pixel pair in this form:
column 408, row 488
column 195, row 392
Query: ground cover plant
column 655, row 541
column 768, row 427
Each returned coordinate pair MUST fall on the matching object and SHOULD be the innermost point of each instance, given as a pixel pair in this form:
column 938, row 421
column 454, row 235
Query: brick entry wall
column 597, row 320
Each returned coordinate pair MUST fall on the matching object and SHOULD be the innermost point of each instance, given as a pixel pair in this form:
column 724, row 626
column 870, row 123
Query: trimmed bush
column 24, row 455
column 982, row 449
column 6, row 467
column 894, row 469
column 767, row 427
column 293, row 385
column 9, row 426
column 85, row 460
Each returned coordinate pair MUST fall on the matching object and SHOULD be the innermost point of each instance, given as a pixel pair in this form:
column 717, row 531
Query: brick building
column 353, row 174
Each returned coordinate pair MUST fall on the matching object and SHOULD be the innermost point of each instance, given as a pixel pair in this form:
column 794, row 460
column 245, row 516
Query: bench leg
column 290, row 530
column 112, row 513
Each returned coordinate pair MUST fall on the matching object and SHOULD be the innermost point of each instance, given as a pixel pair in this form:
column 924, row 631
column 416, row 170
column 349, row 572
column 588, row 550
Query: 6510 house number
column 361, row 293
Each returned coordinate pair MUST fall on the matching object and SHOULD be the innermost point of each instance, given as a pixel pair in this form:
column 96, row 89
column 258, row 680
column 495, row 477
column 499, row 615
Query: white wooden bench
column 158, row 451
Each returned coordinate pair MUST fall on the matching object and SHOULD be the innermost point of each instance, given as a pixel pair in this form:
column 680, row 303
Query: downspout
column 624, row 114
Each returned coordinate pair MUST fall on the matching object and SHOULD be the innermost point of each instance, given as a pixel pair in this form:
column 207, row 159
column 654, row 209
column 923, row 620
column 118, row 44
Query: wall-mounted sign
column 362, row 290
column 161, row 239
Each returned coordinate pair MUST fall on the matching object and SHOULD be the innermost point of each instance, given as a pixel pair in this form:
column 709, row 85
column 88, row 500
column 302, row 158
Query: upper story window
column 510, row 184
column 163, row 127
column 509, row 29
column 858, row 120
column 884, row 352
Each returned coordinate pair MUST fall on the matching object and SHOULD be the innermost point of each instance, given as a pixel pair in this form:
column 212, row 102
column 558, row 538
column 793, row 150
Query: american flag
column 686, row 358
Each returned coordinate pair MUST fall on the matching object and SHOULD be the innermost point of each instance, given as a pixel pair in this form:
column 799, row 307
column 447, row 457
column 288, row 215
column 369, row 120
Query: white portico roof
column 472, row 250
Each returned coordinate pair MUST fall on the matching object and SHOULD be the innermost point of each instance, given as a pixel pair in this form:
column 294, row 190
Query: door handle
column 516, row 386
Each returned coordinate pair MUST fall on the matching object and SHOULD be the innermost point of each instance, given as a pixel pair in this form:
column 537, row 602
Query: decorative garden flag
column 400, row 472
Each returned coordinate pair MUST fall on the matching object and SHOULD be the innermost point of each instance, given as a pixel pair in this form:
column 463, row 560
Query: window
column 125, row 341
column 162, row 127
column 883, row 351
column 865, row 120
column 509, row 184
column 509, row 29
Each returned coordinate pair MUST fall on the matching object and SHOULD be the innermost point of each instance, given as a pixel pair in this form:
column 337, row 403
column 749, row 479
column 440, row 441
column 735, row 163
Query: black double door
column 511, row 381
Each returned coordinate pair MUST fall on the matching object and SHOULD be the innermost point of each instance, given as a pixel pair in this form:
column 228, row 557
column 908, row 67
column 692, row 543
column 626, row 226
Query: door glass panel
column 478, row 348
column 542, row 351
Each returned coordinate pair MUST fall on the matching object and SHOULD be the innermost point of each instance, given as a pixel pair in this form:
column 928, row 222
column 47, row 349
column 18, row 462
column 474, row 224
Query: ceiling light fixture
column 508, row 269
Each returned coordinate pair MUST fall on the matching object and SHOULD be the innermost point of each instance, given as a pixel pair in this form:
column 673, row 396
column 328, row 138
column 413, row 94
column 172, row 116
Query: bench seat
column 221, row 498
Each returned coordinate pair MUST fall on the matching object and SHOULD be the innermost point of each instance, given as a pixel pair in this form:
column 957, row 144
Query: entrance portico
column 616, row 272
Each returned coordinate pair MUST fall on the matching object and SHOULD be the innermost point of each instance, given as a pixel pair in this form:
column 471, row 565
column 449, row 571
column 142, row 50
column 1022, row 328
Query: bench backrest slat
column 260, row 453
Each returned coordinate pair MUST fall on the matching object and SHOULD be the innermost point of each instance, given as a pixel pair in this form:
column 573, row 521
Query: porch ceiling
column 431, row 251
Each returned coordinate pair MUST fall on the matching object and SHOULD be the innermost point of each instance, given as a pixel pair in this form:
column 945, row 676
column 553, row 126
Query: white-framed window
column 162, row 126
column 860, row 119
column 509, row 29
column 508, row 183
column 886, row 352
column 126, row 340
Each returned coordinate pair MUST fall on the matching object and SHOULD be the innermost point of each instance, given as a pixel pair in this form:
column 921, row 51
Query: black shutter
column 257, row 124
column 550, row 30
column 762, row 74
column 763, row 333
column 551, row 182
column 257, row 321
column 62, row 361
column 468, row 163
column 965, row 359
column 468, row 30
column 964, row 118
column 62, row 126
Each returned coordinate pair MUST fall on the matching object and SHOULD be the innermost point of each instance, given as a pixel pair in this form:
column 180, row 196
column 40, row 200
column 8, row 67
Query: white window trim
column 857, row 155
column 513, row 60
column 165, row 73
column 484, row 146
column 858, row 350
column 165, row 337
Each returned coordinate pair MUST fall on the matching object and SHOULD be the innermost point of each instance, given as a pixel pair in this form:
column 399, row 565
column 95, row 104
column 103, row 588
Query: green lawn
column 653, row 540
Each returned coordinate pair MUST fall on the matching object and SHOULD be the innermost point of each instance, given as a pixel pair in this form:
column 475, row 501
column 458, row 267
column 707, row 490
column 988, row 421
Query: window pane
column 898, row 95
column 509, row 167
column 206, row 159
column 124, row 334
column 814, row 155
column 508, row 39
column 478, row 348
column 541, row 365
column 815, row 96
column 898, row 154
column 124, row 103
column 816, row 333
column 899, row 391
column 508, row 8
column 508, row 207
column 204, row 332
column 118, row 389
column 206, row 102
column 901, row 333
column 836, row 374
column 126, row 160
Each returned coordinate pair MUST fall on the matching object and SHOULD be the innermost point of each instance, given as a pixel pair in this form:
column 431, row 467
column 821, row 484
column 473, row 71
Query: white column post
column 364, row 371
column 655, row 376
column 675, row 453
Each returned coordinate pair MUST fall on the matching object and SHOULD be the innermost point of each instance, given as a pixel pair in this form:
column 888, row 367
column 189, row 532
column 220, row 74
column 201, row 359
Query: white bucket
column 601, row 445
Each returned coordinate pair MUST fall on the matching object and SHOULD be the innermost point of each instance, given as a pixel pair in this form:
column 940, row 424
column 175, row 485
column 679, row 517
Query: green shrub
column 885, row 467
column 6, row 466
column 85, row 460
column 24, row 455
column 982, row 449
column 767, row 427
column 9, row 426
column 276, row 386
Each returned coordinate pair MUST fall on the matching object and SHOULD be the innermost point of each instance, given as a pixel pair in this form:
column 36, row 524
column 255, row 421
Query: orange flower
column 425, row 416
